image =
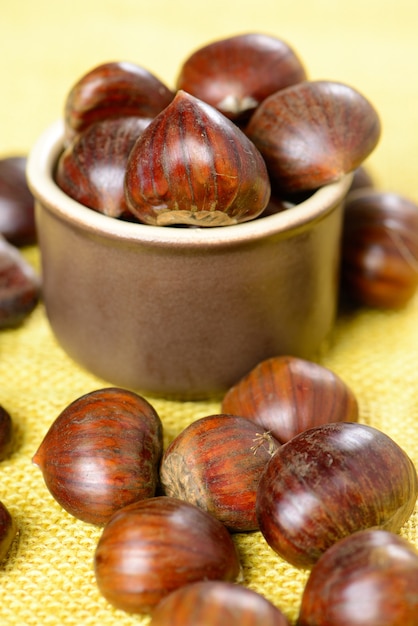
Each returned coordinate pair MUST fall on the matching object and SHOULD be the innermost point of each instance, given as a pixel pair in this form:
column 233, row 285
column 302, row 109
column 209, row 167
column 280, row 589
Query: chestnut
column 102, row 453
column 17, row 205
column 216, row 463
column 312, row 133
column 92, row 168
column 379, row 255
column 19, row 286
column 235, row 74
column 215, row 603
column 193, row 166
column 6, row 433
column 8, row 531
column 287, row 395
column 113, row 89
column 152, row 547
column 366, row 579
column 329, row 482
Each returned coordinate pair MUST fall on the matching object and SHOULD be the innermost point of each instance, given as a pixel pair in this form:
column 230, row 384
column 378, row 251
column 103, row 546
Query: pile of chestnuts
column 244, row 134
column 288, row 459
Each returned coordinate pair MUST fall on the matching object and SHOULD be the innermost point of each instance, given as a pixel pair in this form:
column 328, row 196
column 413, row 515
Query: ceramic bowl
column 184, row 312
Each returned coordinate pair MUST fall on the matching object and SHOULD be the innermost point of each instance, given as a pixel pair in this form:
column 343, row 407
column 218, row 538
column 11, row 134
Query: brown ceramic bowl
column 184, row 312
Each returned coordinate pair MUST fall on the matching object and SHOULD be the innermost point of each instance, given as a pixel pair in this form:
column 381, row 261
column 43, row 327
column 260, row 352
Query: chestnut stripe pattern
column 194, row 166
column 102, row 453
column 155, row 546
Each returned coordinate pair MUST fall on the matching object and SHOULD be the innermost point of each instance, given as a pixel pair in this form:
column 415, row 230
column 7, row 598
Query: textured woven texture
column 48, row 578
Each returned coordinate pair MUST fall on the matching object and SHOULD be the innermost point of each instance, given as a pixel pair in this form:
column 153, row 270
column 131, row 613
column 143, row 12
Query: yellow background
column 45, row 47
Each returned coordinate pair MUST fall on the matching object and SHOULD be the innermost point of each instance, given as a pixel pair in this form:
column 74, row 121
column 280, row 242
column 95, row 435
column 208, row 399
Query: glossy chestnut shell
column 329, row 482
column 313, row 133
column 92, row 167
column 286, row 395
column 113, row 89
column 366, row 579
column 8, row 531
column 102, row 453
column 215, row 603
column 237, row 73
column 216, row 463
column 17, row 205
column 379, row 259
column 193, row 166
column 155, row 546
column 20, row 286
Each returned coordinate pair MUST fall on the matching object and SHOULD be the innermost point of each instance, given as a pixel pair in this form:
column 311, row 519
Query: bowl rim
column 39, row 172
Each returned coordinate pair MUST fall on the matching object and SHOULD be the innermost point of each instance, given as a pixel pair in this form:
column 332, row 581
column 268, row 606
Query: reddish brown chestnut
column 237, row 73
column 313, row 133
column 8, row 531
column 367, row 579
column 329, row 482
column 113, row 89
column 379, row 264
column 216, row 603
column 6, row 433
column 216, row 463
column 17, row 206
column 92, row 168
column 153, row 547
column 193, row 166
column 287, row 395
column 19, row 286
column 102, row 453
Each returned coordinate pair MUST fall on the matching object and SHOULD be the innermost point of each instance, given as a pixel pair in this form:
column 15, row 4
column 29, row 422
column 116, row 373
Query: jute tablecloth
column 48, row 577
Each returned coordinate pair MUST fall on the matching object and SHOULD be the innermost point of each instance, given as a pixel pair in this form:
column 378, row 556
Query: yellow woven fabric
column 48, row 578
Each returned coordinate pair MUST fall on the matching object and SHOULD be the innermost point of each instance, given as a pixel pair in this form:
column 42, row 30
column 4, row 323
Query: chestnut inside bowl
column 184, row 312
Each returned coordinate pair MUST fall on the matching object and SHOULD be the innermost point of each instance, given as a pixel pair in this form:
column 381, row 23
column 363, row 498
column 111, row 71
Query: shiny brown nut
column 368, row 579
column 237, row 73
column 216, row 463
column 114, row 89
column 286, row 395
column 92, row 168
column 19, row 286
column 215, row 603
column 193, row 166
column 102, row 453
column 312, row 133
column 17, row 206
column 329, row 482
column 379, row 258
column 8, row 531
column 6, row 433
column 153, row 547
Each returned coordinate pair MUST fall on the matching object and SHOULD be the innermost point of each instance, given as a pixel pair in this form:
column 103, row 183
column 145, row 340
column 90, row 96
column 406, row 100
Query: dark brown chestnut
column 329, row 482
column 312, row 133
column 286, row 395
column 113, row 89
column 19, row 286
column 102, row 453
column 17, row 206
column 193, row 166
column 8, row 531
column 6, row 433
column 366, row 579
column 216, row 603
column 379, row 258
column 92, row 168
column 152, row 547
column 216, row 463
column 237, row 73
